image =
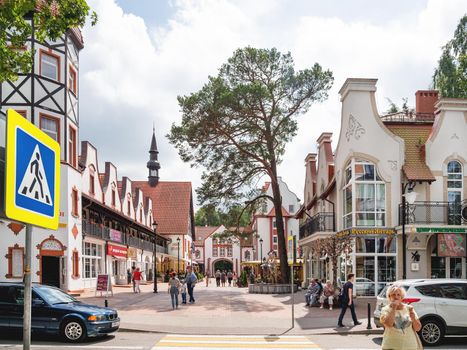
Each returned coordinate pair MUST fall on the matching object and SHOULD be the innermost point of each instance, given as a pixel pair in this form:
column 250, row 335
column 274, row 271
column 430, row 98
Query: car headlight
column 96, row 318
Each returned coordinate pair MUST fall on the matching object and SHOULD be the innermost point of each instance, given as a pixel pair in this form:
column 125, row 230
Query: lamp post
column 178, row 255
column 261, row 249
column 410, row 199
column 154, row 227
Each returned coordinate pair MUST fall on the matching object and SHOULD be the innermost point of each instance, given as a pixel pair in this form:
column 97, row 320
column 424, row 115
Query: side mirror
column 38, row 302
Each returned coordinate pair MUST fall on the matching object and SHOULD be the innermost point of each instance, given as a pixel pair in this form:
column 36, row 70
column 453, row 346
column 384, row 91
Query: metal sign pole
column 292, row 282
column 27, row 290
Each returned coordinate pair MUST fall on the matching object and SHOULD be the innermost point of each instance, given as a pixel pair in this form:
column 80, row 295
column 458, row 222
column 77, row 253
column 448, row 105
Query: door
column 50, row 268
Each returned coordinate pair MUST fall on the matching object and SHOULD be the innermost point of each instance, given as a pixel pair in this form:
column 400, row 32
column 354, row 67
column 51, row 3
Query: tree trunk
column 284, row 265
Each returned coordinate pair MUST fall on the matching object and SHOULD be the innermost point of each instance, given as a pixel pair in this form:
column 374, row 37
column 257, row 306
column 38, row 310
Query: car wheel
column 73, row 331
column 432, row 332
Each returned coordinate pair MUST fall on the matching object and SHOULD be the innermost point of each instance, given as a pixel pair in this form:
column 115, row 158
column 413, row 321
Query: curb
column 362, row 332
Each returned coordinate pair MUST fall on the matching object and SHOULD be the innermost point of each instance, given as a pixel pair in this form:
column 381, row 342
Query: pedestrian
column 207, row 278
column 133, row 268
column 327, row 294
column 128, row 276
column 137, row 280
column 223, row 275
column 218, row 278
column 347, row 301
column 312, row 294
column 400, row 322
column 173, row 289
column 190, row 283
column 183, row 290
column 230, row 277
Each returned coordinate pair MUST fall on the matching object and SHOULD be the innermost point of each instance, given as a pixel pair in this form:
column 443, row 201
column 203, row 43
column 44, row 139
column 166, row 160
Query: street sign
column 32, row 176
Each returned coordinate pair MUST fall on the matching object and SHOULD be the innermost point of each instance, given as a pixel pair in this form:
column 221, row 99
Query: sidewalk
column 226, row 310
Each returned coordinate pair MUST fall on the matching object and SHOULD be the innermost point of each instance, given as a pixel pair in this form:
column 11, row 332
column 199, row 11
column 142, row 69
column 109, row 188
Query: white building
column 358, row 192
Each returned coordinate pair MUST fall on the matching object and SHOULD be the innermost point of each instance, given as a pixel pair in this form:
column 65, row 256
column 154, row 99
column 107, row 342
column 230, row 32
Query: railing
column 95, row 230
column 408, row 117
column 445, row 213
column 140, row 243
column 161, row 249
column 321, row 222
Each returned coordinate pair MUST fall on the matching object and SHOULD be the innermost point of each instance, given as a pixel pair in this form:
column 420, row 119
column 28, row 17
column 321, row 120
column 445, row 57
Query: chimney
column 425, row 101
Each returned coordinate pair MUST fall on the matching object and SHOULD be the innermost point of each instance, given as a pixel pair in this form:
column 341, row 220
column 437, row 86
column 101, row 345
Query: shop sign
column 451, row 244
column 115, row 236
column 441, row 230
column 373, row 231
column 116, row 251
column 132, row 253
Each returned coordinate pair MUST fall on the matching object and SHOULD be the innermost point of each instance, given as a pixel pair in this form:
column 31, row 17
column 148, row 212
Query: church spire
column 153, row 163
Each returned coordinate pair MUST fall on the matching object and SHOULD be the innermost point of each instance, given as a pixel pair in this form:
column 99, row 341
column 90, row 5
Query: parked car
column 364, row 286
column 55, row 312
column 439, row 303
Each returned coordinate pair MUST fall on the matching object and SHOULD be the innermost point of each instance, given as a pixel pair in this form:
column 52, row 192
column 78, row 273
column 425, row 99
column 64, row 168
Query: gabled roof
column 203, row 232
column 414, row 136
column 171, row 205
column 285, row 213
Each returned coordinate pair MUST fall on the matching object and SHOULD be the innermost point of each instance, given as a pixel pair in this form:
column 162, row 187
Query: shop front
column 117, row 256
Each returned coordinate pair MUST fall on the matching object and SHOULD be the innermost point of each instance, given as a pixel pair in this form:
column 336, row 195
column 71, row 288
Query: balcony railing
column 321, row 222
column 441, row 213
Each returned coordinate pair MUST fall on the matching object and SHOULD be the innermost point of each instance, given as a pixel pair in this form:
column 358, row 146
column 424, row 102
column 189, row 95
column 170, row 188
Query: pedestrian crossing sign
column 32, row 176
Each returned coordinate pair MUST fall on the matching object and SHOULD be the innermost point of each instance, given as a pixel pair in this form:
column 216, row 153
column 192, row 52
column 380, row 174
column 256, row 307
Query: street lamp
column 261, row 248
column 178, row 255
column 410, row 199
column 154, row 227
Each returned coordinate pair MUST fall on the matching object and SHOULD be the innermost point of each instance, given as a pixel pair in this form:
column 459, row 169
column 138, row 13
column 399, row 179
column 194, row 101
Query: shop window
column 247, row 255
column 438, row 267
column 49, row 65
column 75, row 264
column 92, row 260
column 51, row 126
column 74, row 202
column 72, row 81
column 365, row 245
column 386, row 245
column 15, row 262
column 72, row 147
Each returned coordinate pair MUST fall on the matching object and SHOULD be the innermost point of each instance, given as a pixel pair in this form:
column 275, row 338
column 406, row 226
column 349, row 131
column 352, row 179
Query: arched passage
column 223, row 264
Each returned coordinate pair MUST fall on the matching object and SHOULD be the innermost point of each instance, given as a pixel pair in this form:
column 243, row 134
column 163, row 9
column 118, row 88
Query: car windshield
column 55, row 296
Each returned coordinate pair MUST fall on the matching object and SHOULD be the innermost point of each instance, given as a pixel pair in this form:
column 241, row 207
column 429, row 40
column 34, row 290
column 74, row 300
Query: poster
column 102, row 283
column 451, row 244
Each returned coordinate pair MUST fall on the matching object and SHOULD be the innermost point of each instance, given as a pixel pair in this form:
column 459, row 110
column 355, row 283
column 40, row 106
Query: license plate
column 115, row 324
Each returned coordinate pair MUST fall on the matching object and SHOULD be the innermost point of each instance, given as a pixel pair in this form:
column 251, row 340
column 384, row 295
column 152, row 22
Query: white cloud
column 132, row 74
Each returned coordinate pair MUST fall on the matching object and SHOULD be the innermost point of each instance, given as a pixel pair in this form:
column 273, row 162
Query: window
column 274, row 239
column 113, row 197
column 222, row 251
column 49, row 65
column 455, row 188
column 247, row 255
column 141, row 214
column 364, row 196
column 15, row 262
column 198, row 254
column 129, row 208
column 430, row 290
column 51, row 126
column 74, row 202
column 22, row 113
column 453, row 291
column 91, row 184
column 92, row 259
column 75, row 264
column 214, row 251
column 72, row 82
column 72, row 147
column 229, row 251
column 274, row 223
column 291, row 208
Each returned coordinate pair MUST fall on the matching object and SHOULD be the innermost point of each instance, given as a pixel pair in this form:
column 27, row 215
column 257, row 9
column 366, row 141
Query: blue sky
column 142, row 54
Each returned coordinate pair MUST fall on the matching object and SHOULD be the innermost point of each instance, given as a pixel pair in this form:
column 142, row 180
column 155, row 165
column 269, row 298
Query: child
column 183, row 291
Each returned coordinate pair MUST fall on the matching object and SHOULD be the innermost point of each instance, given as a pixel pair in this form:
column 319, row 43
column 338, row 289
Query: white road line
column 236, row 336
column 81, row 345
column 238, row 341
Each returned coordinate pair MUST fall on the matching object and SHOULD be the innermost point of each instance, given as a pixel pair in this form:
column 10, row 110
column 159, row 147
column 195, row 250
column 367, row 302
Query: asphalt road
column 152, row 341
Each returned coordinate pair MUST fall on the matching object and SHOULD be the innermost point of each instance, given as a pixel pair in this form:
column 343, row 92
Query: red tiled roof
column 171, row 205
column 414, row 137
column 285, row 213
column 203, row 232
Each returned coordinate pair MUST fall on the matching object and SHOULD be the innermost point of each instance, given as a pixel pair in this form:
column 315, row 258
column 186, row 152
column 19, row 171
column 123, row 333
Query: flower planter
column 264, row 288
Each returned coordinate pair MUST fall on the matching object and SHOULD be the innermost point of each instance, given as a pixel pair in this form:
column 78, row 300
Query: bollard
column 106, row 303
column 369, row 317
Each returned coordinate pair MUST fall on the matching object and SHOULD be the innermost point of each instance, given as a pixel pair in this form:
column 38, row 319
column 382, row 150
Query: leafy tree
column 450, row 78
column 238, row 124
column 207, row 216
column 51, row 19
column 392, row 107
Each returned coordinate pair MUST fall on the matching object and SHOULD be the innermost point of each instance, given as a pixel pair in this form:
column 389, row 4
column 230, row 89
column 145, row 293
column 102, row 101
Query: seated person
column 327, row 295
column 312, row 294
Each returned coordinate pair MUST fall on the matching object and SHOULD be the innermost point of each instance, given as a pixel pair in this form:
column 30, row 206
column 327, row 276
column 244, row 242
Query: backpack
column 343, row 295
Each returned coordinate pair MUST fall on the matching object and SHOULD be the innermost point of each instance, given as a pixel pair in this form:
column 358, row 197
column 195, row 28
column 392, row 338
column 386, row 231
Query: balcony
column 321, row 222
column 437, row 213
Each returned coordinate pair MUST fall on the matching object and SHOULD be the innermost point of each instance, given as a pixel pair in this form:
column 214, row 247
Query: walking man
column 190, row 282
column 347, row 301
column 218, row 278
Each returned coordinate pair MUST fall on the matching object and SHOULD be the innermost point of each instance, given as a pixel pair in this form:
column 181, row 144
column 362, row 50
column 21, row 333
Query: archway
column 222, row 265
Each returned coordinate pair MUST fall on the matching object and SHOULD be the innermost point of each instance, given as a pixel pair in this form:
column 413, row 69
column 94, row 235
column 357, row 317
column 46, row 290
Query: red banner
column 116, row 250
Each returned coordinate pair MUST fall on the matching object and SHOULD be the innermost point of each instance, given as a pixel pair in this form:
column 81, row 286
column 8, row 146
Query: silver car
column 440, row 304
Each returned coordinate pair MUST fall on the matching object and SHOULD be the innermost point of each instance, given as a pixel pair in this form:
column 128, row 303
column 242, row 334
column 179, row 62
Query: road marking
column 87, row 346
column 199, row 342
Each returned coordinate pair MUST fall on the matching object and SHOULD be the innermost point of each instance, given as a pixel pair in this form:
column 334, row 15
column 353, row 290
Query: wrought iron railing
column 445, row 213
column 320, row 222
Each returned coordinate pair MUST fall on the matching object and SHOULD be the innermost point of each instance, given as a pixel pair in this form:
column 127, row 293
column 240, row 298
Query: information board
column 103, row 284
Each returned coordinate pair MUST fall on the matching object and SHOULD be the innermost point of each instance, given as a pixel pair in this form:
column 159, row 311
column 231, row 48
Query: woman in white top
column 400, row 322
column 174, row 286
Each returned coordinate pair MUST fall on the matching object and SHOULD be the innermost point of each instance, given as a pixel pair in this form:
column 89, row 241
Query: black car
column 55, row 312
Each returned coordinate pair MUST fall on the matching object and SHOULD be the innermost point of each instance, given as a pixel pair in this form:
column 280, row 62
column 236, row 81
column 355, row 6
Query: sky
column 142, row 54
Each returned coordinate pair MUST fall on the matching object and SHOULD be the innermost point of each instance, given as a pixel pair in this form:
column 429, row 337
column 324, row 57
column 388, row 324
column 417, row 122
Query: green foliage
column 450, row 77
column 207, row 215
column 393, row 108
column 231, row 216
column 51, row 19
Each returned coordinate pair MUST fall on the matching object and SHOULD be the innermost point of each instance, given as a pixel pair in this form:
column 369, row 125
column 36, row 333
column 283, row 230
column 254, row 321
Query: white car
column 441, row 305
